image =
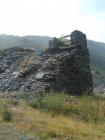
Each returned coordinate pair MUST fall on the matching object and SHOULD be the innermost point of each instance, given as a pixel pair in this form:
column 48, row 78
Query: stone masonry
column 59, row 68
column 68, row 69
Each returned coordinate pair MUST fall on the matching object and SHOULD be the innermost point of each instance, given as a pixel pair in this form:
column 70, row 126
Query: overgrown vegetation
column 58, row 116
column 6, row 113
column 87, row 108
column 14, row 102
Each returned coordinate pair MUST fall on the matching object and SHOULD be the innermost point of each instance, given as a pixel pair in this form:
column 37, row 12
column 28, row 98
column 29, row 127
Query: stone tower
column 81, row 67
column 69, row 67
column 78, row 38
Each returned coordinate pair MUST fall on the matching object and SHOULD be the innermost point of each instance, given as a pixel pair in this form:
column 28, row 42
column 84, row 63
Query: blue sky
column 93, row 12
column 53, row 17
column 93, row 5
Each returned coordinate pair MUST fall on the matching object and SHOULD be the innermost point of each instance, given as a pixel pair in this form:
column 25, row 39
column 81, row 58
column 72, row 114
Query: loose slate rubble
column 58, row 68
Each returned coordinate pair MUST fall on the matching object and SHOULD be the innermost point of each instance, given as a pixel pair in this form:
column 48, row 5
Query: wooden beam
column 65, row 36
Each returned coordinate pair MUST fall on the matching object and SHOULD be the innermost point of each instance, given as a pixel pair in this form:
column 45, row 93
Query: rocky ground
column 22, row 71
column 59, row 68
column 17, row 68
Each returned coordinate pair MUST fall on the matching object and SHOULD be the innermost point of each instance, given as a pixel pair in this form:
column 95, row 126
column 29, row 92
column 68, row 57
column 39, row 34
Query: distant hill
column 97, row 55
column 37, row 42
column 96, row 49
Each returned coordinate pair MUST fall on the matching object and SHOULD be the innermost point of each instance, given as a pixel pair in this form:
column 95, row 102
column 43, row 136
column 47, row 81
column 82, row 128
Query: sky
column 53, row 17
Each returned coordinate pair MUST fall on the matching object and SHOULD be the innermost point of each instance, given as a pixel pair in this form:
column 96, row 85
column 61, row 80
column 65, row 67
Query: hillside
column 97, row 54
column 37, row 42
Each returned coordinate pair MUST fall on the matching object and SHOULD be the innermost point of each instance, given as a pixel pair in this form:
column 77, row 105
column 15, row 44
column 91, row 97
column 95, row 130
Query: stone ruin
column 68, row 68
column 59, row 68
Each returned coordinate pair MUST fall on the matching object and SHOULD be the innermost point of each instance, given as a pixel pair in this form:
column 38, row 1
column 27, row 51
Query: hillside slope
column 97, row 54
column 37, row 42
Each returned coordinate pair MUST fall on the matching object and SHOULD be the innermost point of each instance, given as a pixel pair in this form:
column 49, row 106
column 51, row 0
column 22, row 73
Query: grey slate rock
column 58, row 68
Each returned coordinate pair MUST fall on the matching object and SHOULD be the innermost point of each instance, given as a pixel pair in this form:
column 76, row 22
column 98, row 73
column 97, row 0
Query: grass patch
column 59, row 117
column 87, row 108
column 6, row 113
column 14, row 102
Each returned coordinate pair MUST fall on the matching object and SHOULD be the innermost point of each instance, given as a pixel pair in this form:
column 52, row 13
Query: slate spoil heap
column 59, row 68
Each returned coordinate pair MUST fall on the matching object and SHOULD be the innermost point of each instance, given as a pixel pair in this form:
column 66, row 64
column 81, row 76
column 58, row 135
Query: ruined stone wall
column 68, row 69
column 58, row 69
